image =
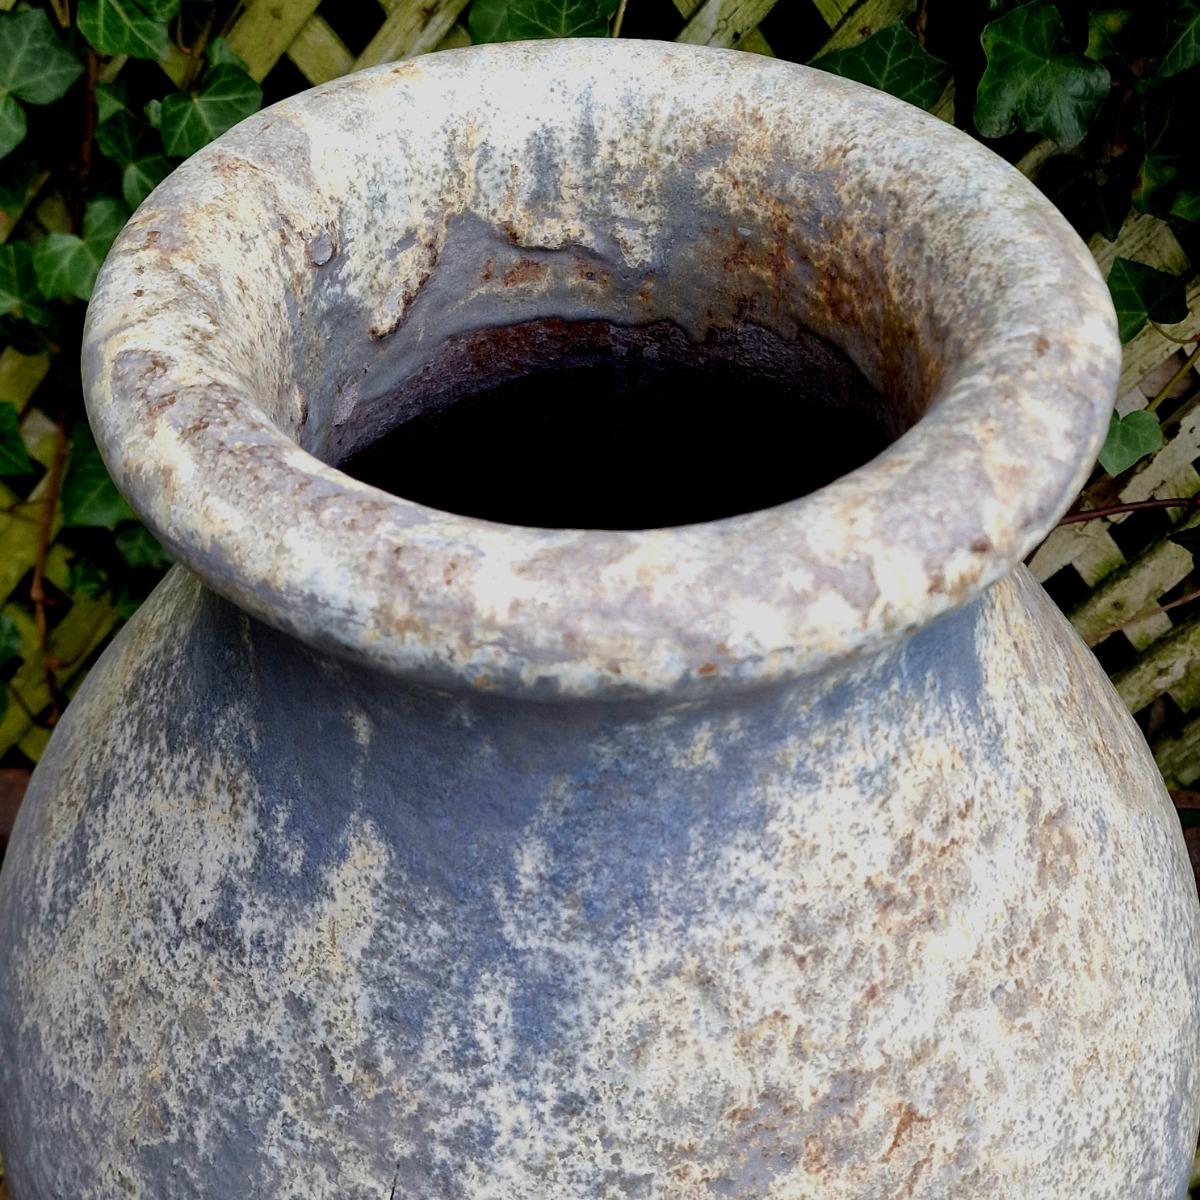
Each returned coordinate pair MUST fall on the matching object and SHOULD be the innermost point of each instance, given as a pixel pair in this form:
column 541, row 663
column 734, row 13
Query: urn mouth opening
column 879, row 306
column 587, row 424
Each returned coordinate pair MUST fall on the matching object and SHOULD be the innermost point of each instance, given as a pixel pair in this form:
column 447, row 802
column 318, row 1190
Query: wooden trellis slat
column 412, row 27
column 860, row 21
column 752, row 43
column 1118, row 586
column 724, row 22
column 318, row 52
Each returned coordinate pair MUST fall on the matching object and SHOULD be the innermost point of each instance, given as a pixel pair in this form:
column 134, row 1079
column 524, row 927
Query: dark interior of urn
column 592, row 425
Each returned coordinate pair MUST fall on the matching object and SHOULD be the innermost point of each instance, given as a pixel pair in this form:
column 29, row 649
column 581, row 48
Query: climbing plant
column 97, row 105
column 1106, row 94
column 100, row 99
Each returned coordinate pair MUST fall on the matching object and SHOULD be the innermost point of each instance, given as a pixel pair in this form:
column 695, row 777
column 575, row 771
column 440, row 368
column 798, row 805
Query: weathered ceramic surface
column 267, row 301
column 276, row 927
column 803, row 854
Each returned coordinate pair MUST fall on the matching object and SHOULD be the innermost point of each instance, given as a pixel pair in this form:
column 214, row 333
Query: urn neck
column 381, row 246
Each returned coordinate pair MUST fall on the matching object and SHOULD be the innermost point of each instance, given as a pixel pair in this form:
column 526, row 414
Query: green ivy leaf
column 14, row 456
column 67, row 265
column 1104, row 28
column 892, row 60
column 10, row 640
column 1187, row 205
column 34, row 64
column 10, row 648
column 1170, row 163
column 1129, row 439
column 142, row 176
column 122, row 27
column 19, row 294
column 1141, row 294
column 103, row 219
column 1183, row 40
column 121, row 138
column 220, row 54
column 559, row 18
column 153, row 113
column 1085, row 195
column 111, row 98
column 488, row 21
column 1033, row 81
column 85, row 579
column 12, row 124
column 229, row 95
column 160, row 10
column 89, row 496
column 139, row 548
column 126, row 602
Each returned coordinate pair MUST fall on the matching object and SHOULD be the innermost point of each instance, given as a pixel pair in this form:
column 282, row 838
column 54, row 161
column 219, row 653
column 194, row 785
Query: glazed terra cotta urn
column 800, row 853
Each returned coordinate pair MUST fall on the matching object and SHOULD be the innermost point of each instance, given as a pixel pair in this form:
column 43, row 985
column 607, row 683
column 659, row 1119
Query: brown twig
column 1164, row 391
column 196, row 51
column 1110, row 510
column 84, row 169
column 1179, row 341
column 1152, row 611
column 922, row 20
column 619, row 18
column 62, row 13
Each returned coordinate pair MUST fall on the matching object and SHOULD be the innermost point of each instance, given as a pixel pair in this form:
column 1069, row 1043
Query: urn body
column 803, row 852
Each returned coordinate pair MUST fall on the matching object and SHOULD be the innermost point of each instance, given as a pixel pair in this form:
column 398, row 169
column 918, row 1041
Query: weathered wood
column 1087, row 546
column 752, row 43
column 1150, row 348
column 318, row 52
column 264, row 30
column 412, row 27
column 833, row 11
column 457, row 37
column 1171, row 665
column 724, row 22
column 1144, row 238
column 866, row 19
column 1178, row 755
column 1132, row 590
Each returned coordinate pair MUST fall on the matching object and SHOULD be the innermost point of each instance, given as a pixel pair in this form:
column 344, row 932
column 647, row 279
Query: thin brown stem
column 62, row 13
column 83, row 169
column 1165, row 390
column 1112, row 510
column 196, row 52
column 619, row 18
column 1152, row 611
column 1179, row 341
column 922, row 20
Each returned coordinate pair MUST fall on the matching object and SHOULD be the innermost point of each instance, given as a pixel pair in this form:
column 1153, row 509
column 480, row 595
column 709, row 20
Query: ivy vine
column 101, row 99
column 97, row 106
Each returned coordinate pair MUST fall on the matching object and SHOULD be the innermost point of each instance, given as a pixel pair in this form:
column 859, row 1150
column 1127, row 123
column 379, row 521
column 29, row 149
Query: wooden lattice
column 1103, row 572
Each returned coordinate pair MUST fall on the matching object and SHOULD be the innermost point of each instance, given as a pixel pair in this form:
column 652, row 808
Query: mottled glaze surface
column 266, row 302
column 276, row 927
column 806, row 854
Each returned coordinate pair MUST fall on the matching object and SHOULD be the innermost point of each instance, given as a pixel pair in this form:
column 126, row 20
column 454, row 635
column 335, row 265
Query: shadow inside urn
column 612, row 427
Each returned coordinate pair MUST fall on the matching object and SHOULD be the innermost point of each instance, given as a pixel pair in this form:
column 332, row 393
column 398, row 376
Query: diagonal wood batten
column 1121, row 580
